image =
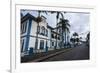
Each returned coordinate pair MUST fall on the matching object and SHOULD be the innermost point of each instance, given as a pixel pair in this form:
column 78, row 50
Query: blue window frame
column 22, row 45
column 52, row 43
column 43, row 30
column 41, row 44
column 23, row 27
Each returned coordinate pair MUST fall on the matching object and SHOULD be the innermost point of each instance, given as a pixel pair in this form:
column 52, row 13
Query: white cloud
column 79, row 21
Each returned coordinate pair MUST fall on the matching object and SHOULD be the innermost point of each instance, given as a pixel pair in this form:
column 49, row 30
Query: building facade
column 48, row 38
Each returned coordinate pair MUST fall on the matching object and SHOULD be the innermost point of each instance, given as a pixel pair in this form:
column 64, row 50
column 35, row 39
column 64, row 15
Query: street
column 80, row 52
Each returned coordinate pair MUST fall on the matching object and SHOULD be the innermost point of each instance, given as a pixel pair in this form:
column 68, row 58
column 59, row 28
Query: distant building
column 46, row 35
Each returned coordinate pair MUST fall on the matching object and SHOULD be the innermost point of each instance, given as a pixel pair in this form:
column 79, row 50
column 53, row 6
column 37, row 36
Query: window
column 58, row 37
column 52, row 43
column 52, row 35
column 41, row 44
column 43, row 30
column 22, row 45
column 23, row 27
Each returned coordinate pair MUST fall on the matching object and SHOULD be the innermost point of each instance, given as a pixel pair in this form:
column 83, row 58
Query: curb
column 48, row 56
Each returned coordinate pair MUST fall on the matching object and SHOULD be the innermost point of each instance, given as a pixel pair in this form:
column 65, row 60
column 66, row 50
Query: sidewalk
column 42, row 56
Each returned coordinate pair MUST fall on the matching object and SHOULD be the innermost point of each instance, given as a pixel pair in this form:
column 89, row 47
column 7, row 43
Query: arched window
column 23, row 27
column 43, row 30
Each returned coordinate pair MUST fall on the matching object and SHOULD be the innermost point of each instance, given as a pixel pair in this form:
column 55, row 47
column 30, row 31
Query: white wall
column 33, row 28
column 33, row 34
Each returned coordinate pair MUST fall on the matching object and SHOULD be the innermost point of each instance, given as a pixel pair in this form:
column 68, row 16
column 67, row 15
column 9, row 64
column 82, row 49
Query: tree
column 88, row 39
column 64, row 24
column 75, row 38
column 75, row 34
column 57, row 17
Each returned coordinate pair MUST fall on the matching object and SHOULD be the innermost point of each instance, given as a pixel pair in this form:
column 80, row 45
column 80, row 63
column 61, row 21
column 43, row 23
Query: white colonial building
column 48, row 38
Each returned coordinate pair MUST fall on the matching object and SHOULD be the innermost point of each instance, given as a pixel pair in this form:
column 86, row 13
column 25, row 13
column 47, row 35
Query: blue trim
column 22, row 45
column 23, row 27
column 28, row 33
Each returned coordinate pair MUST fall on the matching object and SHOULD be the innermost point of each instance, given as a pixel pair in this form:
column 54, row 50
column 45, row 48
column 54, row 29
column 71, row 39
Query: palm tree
column 38, row 20
column 72, row 40
column 65, row 28
column 76, row 39
column 57, row 17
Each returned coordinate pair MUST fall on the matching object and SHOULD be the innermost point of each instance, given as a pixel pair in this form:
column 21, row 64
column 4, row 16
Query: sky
column 79, row 21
